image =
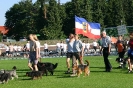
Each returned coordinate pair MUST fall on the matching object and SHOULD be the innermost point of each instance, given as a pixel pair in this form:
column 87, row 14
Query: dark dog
column 4, row 77
column 34, row 74
column 122, row 62
column 47, row 66
column 11, row 72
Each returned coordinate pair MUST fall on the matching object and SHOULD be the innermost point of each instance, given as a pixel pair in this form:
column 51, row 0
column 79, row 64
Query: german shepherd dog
column 82, row 68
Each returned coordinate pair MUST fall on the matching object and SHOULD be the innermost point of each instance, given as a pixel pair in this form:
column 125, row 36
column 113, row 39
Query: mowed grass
column 117, row 78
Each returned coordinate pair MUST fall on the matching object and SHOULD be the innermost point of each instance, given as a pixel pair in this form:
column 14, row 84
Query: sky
column 6, row 4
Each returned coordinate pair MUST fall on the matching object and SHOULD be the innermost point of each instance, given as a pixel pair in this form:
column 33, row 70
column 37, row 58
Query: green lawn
column 117, row 78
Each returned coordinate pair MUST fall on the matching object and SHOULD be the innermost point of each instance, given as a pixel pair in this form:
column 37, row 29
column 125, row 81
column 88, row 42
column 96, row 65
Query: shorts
column 10, row 52
column 69, row 55
column 32, row 57
column 121, row 54
column 77, row 55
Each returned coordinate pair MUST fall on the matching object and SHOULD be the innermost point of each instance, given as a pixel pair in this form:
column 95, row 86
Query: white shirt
column 19, row 48
column 45, row 46
column 28, row 45
column 65, row 47
column 58, row 45
column 61, row 45
column 7, row 48
column 38, row 44
column 15, row 48
column 87, row 45
column 83, row 44
column 94, row 43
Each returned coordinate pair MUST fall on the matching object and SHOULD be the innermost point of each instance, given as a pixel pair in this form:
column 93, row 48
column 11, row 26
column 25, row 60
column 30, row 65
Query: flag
column 88, row 29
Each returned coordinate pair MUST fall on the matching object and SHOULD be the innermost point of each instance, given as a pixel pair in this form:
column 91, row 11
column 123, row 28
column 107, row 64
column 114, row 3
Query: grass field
column 117, row 78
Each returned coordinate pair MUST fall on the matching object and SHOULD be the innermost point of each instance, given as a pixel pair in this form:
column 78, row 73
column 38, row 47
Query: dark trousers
column 106, row 60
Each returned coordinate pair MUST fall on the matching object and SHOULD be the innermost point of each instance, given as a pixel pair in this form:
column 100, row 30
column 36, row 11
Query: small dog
column 35, row 74
column 4, row 77
column 82, row 68
column 11, row 72
column 122, row 62
column 47, row 66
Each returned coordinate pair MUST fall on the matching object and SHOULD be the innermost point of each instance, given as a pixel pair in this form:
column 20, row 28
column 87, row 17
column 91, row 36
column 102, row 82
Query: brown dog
column 82, row 68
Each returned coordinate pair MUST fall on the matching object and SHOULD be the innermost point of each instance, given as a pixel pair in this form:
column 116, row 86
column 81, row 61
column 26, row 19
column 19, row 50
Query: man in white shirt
column 15, row 49
column 87, row 47
column 45, row 47
column 95, row 46
column 58, row 49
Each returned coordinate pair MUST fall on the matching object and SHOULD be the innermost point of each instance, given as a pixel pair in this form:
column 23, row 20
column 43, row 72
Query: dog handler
column 106, row 47
column 33, row 54
column 78, row 52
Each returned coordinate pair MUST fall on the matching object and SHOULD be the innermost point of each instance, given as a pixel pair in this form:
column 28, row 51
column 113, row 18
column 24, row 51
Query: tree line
column 53, row 20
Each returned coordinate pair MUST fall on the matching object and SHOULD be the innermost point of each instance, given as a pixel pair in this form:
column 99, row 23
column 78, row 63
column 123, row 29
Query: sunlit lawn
column 117, row 78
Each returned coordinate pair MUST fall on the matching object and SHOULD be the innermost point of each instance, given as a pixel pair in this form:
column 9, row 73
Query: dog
column 4, row 77
column 122, row 62
column 47, row 66
column 82, row 68
column 11, row 72
column 34, row 74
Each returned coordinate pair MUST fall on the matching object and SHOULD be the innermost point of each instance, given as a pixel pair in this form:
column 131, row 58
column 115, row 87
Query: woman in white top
column 38, row 45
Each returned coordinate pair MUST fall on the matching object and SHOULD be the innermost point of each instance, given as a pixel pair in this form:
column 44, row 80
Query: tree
column 20, row 19
column 53, row 29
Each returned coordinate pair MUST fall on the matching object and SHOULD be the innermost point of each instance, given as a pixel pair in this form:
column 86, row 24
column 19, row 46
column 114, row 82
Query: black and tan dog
column 35, row 74
column 12, row 72
column 4, row 77
column 82, row 68
column 47, row 66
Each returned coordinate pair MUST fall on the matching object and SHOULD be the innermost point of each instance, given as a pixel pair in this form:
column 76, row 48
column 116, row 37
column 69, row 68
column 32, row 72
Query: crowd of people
column 73, row 48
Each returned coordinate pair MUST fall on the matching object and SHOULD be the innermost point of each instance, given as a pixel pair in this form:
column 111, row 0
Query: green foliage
column 54, row 21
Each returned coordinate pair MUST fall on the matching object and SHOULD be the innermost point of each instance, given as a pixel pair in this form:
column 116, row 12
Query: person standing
column 38, row 45
column 95, row 46
column 10, row 50
column 106, row 47
column 69, row 54
column 78, row 50
column 87, row 47
column 121, row 50
column 33, row 54
column 45, row 49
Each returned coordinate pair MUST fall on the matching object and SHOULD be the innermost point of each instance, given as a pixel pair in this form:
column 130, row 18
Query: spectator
column 65, row 48
column 87, row 47
column 10, row 50
column 19, row 49
column 15, row 49
column 62, row 48
column 7, row 50
column 45, row 47
column 100, row 43
column 58, row 49
column 95, row 44
column 83, row 44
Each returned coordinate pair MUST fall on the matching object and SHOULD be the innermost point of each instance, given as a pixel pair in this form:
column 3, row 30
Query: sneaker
column 73, row 75
column 67, row 72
